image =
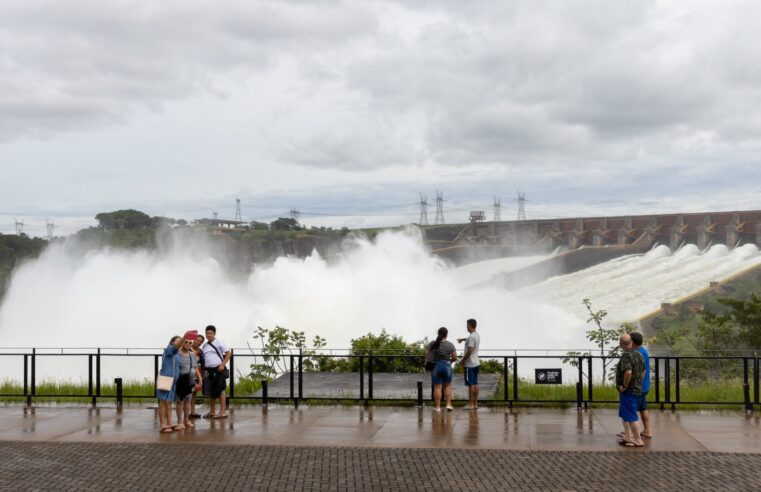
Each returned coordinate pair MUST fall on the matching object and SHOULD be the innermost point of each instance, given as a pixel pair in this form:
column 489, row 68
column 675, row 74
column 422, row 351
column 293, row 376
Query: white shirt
column 474, row 340
column 210, row 357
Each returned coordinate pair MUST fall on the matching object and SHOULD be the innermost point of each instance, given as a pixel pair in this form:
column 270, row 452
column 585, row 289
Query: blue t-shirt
column 646, row 378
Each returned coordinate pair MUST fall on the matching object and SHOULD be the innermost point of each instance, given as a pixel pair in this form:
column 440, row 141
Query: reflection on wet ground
column 495, row 428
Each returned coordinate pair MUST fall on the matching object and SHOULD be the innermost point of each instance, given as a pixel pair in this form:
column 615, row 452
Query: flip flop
column 449, row 409
column 194, row 416
column 437, row 410
column 166, row 430
column 634, row 445
column 219, row 417
column 649, row 436
column 178, row 427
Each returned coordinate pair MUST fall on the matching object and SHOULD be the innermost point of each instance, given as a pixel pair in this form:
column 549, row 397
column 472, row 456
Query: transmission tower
column 295, row 213
column 49, row 228
column 439, row 208
column 19, row 227
column 497, row 209
column 238, row 215
column 521, row 205
column 215, row 215
column 423, row 209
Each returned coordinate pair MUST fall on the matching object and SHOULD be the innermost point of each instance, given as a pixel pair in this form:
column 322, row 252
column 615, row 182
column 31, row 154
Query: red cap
column 191, row 334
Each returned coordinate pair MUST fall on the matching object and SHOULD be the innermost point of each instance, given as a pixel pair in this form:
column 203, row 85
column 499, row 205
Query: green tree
column 285, row 224
column 123, row 219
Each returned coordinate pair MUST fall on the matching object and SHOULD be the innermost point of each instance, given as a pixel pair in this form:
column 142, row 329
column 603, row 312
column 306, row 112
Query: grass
column 141, row 391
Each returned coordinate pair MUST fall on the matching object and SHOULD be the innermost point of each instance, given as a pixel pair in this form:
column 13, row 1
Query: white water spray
column 112, row 298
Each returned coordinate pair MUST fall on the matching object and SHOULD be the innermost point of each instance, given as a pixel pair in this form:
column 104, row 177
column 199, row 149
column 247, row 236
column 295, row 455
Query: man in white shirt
column 470, row 363
column 216, row 355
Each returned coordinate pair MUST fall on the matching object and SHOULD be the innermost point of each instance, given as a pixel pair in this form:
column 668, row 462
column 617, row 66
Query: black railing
column 308, row 376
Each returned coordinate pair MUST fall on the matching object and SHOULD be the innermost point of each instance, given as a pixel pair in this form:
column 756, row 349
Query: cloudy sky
column 348, row 110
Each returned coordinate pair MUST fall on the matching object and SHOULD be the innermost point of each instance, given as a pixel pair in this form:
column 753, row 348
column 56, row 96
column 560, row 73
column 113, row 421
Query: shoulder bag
column 227, row 371
column 165, row 383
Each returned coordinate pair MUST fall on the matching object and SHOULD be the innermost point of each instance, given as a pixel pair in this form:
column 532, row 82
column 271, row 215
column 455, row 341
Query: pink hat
column 191, row 334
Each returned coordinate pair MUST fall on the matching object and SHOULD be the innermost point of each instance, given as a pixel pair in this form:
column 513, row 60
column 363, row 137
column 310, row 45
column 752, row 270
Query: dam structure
column 543, row 236
column 574, row 244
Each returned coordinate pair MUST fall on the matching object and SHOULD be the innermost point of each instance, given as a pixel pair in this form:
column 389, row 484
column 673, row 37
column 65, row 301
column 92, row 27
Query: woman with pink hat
column 188, row 375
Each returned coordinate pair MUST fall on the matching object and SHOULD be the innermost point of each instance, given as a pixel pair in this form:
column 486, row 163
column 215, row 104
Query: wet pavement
column 385, row 427
column 375, row 448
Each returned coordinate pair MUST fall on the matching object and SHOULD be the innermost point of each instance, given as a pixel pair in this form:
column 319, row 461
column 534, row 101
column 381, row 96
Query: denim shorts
column 627, row 407
column 471, row 375
column 442, row 372
column 642, row 402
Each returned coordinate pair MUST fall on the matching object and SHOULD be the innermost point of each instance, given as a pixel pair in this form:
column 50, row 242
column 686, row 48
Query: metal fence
column 578, row 379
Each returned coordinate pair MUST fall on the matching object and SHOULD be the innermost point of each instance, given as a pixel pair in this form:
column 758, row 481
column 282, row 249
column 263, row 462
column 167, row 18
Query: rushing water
column 140, row 299
column 633, row 286
column 114, row 298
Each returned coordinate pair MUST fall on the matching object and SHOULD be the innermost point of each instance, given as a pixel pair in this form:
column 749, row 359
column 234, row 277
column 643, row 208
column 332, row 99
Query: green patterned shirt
column 631, row 360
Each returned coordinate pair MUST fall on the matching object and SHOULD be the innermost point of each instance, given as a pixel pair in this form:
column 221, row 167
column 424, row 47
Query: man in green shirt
column 629, row 372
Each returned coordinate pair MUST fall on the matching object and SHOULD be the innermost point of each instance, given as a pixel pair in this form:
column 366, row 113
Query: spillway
column 635, row 285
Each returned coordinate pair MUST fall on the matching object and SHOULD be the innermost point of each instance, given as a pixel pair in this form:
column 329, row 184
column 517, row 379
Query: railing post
column 590, row 380
column 89, row 380
column 370, row 376
column 676, row 376
column 657, row 380
column 265, row 396
column 667, row 382
column 420, row 394
column 292, row 374
column 361, row 377
column 26, row 375
column 301, row 376
column 97, row 376
column 34, row 376
column 580, row 385
column 505, row 376
column 746, row 386
column 232, row 376
column 156, row 370
column 755, row 381
column 119, row 391
column 515, row 378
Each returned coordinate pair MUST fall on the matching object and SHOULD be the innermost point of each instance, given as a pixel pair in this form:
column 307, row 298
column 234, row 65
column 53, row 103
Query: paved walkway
column 348, row 448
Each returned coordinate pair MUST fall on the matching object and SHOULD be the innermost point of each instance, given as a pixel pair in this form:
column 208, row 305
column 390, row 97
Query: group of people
column 193, row 363
column 633, row 384
column 441, row 353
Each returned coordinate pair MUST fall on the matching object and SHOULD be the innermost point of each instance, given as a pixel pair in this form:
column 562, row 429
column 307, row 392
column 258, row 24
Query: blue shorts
column 642, row 402
column 627, row 407
column 471, row 375
column 442, row 372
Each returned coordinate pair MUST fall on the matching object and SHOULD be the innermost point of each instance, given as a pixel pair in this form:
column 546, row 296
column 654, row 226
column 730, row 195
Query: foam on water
column 632, row 286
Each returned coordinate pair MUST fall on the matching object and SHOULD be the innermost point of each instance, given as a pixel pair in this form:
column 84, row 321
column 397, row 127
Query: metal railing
column 507, row 379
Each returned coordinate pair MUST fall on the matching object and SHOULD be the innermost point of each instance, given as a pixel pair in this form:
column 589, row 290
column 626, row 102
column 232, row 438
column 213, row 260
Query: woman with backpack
column 188, row 375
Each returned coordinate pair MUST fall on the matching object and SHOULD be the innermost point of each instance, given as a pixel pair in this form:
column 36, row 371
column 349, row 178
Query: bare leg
column 448, row 394
column 212, row 406
column 437, row 396
column 186, row 410
column 627, row 432
column 178, row 410
column 473, row 393
column 193, row 402
column 162, row 420
column 636, row 439
column 222, row 404
column 645, row 423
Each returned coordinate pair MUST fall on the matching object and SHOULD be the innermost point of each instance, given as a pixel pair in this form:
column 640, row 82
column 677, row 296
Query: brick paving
column 124, row 466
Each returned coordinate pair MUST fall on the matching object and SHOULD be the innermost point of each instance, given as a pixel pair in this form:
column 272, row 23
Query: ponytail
column 442, row 334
